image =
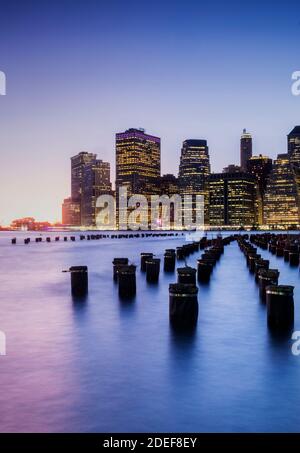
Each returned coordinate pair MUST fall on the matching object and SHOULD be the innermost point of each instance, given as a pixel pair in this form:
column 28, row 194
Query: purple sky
column 78, row 72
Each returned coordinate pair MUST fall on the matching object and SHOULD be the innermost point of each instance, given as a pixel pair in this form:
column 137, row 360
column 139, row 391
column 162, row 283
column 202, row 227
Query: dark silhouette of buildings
column 96, row 182
column 259, row 167
column 246, row 149
column 90, row 178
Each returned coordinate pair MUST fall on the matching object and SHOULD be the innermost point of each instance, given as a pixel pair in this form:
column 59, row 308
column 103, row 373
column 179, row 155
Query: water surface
column 106, row 366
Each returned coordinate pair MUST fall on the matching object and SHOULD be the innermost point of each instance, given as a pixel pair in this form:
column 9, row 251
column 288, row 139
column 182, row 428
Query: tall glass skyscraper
column 246, row 149
column 259, row 167
column 96, row 182
column 194, row 170
column 281, row 201
column 138, row 166
column 137, row 160
column 90, row 178
column 194, row 166
column 78, row 164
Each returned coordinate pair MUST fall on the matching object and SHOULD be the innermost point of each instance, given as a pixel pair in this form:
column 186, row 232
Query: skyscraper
column 194, row 166
column 72, row 207
column 78, row 164
column 281, row 201
column 89, row 179
column 246, row 149
column 294, row 146
column 137, row 166
column 137, row 159
column 96, row 182
column 231, row 199
column 259, row 167
column 194, row 169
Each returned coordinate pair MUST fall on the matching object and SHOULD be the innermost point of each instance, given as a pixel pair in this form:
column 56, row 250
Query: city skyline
column 203, row 71
column 197, row 149
column 254, row 193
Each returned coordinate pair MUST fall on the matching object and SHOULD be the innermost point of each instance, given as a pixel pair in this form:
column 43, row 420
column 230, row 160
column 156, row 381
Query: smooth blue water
column 106, row 366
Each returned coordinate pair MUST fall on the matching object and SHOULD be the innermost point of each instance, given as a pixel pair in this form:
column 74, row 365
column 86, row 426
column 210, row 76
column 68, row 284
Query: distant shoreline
column 95, row 231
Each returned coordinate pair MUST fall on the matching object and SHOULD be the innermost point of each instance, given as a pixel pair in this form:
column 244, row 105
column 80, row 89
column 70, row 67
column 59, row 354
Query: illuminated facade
column 259, row 167
column 71, row 212
column 137, row 165
column 96, row 182
column 194, row 170
column 231, row 199
column 246, row 149
column 294, row 146
column 137, row 159
column 281, row 201
column 168, row 185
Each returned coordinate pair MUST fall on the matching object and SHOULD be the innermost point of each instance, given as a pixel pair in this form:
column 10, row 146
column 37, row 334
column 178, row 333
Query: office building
column 231, row 199
column 89, row 179
column 245, row 149
column 137, row 159
column 71, row 212
column 78, row 164
column 194, row 170
column 96, row 182
column 138, row 166
column 281, row 200
column 259, row 167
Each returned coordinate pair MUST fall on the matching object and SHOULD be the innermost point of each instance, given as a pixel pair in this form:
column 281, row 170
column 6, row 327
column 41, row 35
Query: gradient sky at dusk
column 80, row 71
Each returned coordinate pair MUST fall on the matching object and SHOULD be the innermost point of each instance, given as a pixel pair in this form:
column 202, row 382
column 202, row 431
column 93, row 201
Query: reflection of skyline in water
column 109, row 365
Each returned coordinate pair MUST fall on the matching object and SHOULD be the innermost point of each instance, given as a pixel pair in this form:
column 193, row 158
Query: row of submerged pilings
column 183, row 295
column 94, row 237
column 125, row 273
column 279, row 299
column 49, row 239
column 286, row 246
